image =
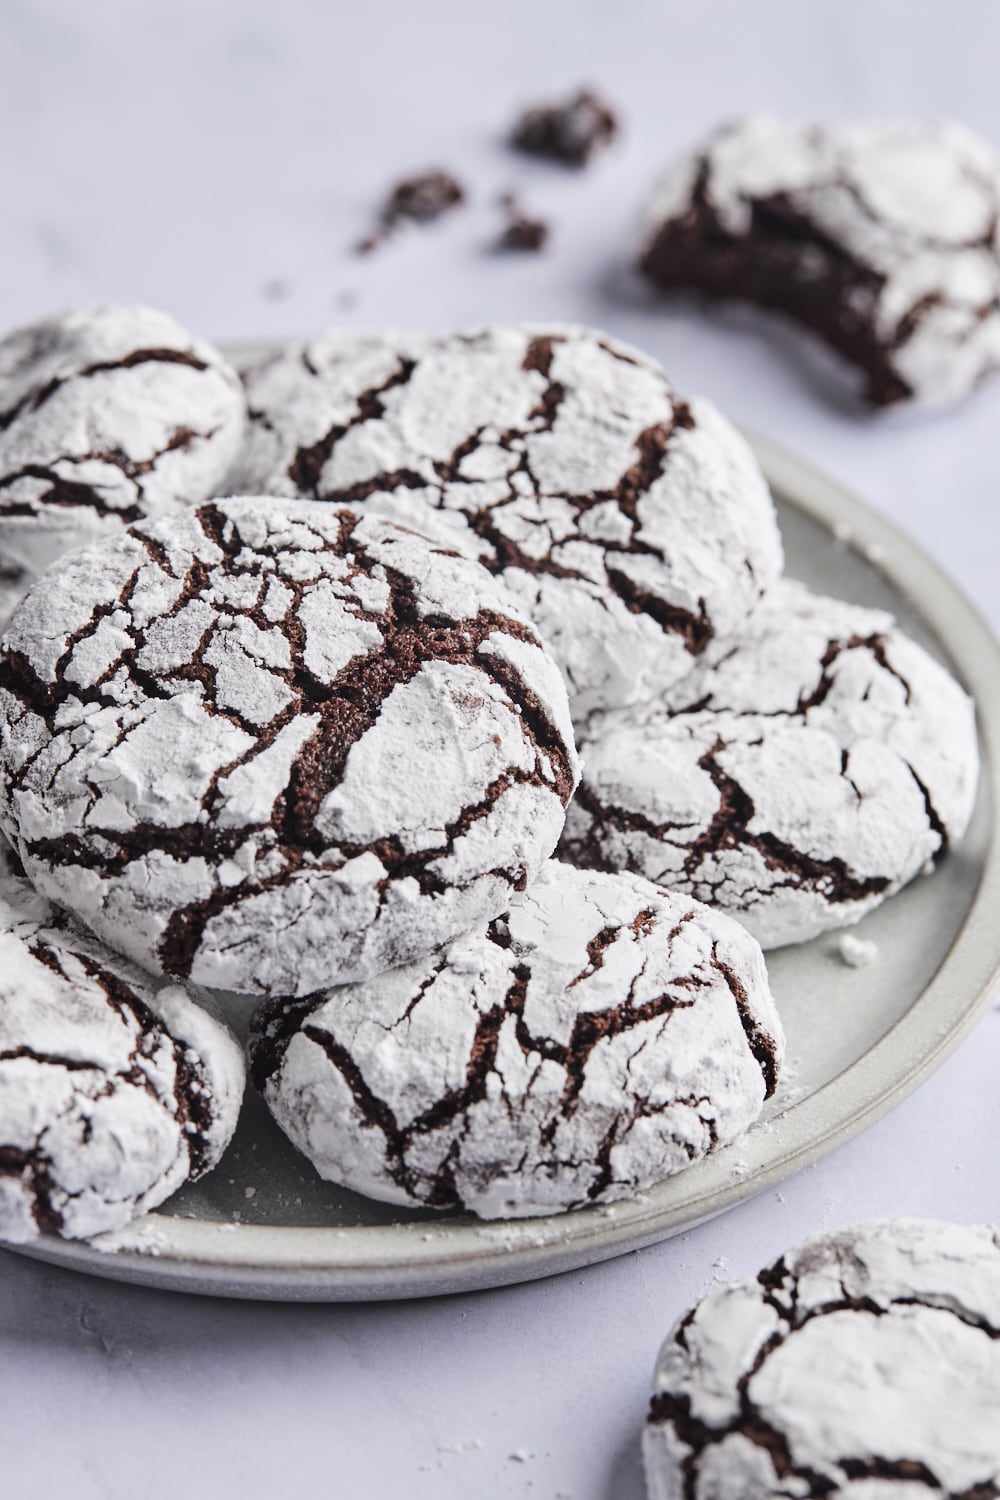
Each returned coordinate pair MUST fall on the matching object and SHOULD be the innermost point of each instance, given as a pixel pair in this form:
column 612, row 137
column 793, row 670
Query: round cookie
column 107, row 415
column 863, row 1365
column 601, row 1035
column 270, row 745
column 633, row 526
column 881, row 236
column 795, row 778
column 113, row 1090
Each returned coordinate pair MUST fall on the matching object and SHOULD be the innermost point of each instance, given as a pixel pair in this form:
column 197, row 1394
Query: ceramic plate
column 263, row 1225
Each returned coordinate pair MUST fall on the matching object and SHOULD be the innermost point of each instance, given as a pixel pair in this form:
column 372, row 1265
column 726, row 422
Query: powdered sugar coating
column 631, row 525
column 107, row 415
column 601, row 1035
column 864, row 1364
column 795, row 778
column 270, row 745
column 894, row 223
column 113, row 1090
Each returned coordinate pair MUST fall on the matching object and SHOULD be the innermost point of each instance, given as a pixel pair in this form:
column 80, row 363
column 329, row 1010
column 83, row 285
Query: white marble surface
column 190, row 154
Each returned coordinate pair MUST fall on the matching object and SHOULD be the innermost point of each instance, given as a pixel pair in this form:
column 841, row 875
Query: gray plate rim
column 374, row 1262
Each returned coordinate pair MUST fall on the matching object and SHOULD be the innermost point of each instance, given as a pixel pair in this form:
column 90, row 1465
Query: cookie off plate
column 860, row 1038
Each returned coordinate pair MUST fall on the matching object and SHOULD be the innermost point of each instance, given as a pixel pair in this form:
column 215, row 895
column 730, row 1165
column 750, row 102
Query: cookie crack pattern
column 730, row 828
column 253, row 606
column 564, row 465
column 780, row 1290
column 68, row 493
column 562, row 1057
column 760, row 1041
column 306, row 468
column 32, row 1165
column 33, row 400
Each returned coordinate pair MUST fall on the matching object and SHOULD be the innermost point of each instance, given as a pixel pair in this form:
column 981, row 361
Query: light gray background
column 190, row 154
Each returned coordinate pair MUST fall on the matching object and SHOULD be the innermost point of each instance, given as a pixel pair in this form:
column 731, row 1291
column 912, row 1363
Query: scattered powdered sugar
column 856, row 952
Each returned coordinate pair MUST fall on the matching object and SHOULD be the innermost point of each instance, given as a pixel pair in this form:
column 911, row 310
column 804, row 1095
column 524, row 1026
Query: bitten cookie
column 864, row 1364
column 113, row 1090
column 633, row 526
column 880, row 236
column 270, row 745
column 601, row 1035
column 794, row 778
column 107, row 415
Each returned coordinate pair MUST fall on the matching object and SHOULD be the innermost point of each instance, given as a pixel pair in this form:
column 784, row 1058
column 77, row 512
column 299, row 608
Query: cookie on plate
column 113, row 1090
column 270, row 745
column 795, row 778
column 107, row 415
column 880, row 236
column 633, row 526
column 863, row 1364
column 598, row 1037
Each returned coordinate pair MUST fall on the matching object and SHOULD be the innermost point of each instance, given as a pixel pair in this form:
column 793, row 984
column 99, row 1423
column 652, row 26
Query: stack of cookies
column 317, row 742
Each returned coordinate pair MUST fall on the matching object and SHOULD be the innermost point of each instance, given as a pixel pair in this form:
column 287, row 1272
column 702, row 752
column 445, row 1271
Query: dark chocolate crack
column 277, row 1023
column 486, row 521
column 36, row 398
column 674, row 1408
column 346, row 708
column 306, row 468
column 729, row 829
column 73, row 493
column 190, row 1102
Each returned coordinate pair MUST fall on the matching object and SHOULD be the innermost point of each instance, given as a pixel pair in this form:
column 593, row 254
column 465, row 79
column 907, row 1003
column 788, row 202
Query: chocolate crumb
column 569, row 132
column 414, row 200
column 521, row 232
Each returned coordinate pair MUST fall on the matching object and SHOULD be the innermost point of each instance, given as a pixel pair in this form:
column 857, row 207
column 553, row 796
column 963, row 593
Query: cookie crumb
column 275, row 290
column 857, row 953
column 521, row 232
column 569, row 132
column 520, row 1456
column 414, row 200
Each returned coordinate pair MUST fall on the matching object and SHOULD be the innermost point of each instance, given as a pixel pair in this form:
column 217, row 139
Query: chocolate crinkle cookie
column 880, row 236
column 864, row 1365
column 107, row 415
column 600, row 1035
column 633, row 526
column 271, row 745
column 795, row 777
column 113, row 1090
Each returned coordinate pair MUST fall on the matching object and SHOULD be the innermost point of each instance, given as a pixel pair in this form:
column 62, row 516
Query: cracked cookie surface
column 795, row 778
column 881, row 236
column 107, row 415
column 270, row 745
column 632, row 526
column 865, row 1364
column 599, row 1036
column 114, row 1090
